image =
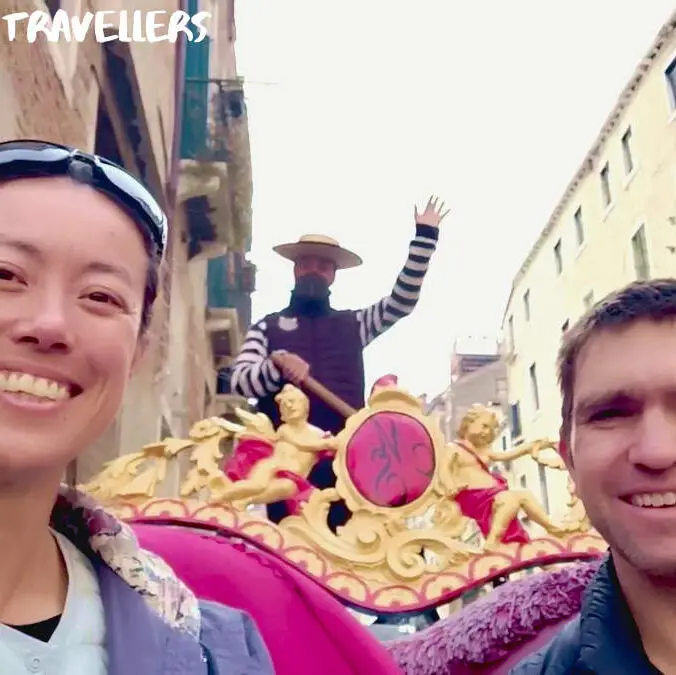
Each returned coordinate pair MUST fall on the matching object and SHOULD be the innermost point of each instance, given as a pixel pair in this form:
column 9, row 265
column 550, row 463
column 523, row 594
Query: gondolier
column 309, row 335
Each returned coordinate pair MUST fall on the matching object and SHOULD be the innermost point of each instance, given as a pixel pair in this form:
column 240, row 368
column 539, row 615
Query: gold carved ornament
column 413, row 497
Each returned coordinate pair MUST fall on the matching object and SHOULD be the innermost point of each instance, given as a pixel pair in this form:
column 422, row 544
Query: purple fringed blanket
column 491, row 628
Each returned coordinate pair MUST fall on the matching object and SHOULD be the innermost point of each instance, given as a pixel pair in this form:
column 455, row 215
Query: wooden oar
column 319, row 390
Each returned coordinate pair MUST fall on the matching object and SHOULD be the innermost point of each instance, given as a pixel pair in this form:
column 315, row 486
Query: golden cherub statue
column 206, row 455
column 293, row 453
column 485, row 496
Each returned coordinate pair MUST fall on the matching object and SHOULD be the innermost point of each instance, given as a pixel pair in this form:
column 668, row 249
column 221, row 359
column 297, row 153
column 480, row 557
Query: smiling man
column 617, row 371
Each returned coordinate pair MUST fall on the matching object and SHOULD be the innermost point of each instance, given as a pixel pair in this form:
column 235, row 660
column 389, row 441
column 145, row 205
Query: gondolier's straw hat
column 321, row 246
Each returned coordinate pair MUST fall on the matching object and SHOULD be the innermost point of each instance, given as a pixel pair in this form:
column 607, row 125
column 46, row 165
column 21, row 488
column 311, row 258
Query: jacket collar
column 108, row 541
column 609, row 639
column 138, row 641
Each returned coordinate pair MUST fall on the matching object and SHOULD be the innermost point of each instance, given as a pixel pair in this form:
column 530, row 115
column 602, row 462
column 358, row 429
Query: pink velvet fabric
column 307, row 630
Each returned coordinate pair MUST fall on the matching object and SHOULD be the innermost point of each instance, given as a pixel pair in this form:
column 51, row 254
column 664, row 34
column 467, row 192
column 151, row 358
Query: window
column 510, row 328
column 640, row 251
column 543, row 487
column 605, row 185
column 589, row 300
column 224, row 381
column 515, row 420
column 501, row 390
column 534, row 387
column 626, row 151
column 670, row 74
column 558, row 260
column 53, row 6
column 526, row 305
column 565, row 325
column 165, row 428
column 579, row 227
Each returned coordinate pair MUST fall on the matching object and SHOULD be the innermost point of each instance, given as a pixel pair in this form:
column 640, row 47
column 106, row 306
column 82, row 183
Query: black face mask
column 311, row 287
column 310, row 296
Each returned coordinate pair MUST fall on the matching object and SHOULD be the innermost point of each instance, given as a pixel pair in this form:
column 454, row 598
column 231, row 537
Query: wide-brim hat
column 321, row 246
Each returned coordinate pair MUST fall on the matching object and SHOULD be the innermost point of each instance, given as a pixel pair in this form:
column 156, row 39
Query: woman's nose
column 45, row 326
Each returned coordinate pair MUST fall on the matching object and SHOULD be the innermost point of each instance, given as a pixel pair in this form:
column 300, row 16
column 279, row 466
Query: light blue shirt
column 77, row 646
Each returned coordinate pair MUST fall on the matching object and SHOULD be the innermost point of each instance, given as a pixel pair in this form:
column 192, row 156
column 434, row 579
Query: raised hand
column 433, row 214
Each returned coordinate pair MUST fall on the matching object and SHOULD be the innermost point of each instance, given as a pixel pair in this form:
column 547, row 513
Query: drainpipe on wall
column 173, row 173
column 175, row 159
column 171, row 186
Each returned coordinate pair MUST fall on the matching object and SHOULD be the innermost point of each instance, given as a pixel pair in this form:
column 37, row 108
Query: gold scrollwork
column 410, row 545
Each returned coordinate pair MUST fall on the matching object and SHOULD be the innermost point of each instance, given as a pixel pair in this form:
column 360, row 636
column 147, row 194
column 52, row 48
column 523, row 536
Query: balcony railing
column 209, row 106
column 228, row 297
column 230, row 284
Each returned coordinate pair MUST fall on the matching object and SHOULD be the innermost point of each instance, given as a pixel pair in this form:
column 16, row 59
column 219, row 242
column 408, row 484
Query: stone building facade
column 615, row 223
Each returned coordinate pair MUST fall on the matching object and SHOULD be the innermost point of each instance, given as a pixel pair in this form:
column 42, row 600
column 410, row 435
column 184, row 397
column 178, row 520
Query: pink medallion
column 390, row 459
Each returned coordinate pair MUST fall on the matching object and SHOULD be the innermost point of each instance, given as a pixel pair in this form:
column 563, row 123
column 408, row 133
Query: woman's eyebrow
column 23, row 246
column 96, row 266
column 108, row 268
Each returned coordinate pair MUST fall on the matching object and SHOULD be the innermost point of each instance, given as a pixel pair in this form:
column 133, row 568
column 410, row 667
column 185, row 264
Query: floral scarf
column 92, row 529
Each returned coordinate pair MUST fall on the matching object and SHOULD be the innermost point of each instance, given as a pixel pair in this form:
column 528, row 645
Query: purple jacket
column 139, row 642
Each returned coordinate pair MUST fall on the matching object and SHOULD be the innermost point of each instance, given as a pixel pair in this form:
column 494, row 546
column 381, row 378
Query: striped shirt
column 253, row 373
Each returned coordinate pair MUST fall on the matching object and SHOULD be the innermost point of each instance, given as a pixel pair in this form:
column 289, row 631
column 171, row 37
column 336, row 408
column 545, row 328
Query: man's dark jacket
column 328, row 340
column 602, row 640
column 330, row 343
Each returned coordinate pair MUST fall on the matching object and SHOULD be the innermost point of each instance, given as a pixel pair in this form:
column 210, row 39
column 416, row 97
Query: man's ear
column 566, row 455
column 139, row 354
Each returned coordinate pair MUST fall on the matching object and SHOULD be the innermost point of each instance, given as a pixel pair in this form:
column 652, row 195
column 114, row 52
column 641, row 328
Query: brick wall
column 41, row 106
column 55, row 90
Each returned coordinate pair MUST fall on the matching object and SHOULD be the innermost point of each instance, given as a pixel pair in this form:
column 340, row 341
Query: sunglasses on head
column 27, row 158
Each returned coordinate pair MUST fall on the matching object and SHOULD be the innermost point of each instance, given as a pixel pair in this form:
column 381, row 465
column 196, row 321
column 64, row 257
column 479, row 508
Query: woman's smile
column 81, row 248
column 33, row 392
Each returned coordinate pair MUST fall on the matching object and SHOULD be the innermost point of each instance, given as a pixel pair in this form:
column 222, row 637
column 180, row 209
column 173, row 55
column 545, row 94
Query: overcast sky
column 360, row 108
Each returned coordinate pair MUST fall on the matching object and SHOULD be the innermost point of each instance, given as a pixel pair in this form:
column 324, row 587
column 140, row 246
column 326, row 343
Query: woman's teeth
column 37, row 387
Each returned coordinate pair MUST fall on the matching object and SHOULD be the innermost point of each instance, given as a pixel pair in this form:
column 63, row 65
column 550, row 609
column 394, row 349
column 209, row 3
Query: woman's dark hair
column 152, row 285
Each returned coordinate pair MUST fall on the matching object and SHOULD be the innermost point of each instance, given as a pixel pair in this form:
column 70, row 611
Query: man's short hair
column 653, row 300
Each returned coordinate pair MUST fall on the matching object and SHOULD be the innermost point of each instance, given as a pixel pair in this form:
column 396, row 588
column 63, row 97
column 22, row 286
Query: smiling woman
column 81, row 242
